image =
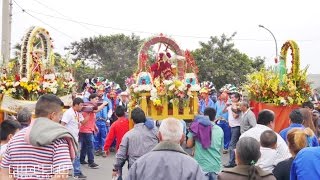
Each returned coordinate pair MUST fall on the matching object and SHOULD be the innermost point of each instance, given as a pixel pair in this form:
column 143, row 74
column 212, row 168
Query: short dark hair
column 268, row 139
column 47, row 104
column 24, row 116
column 92, row 96
column 308, row 104
column 120, row 111
column 138, row 116
column 296, row 116
column 236, row 95
column 77, row 101
column 211, row 112
column 265, row 117
column 8, row 127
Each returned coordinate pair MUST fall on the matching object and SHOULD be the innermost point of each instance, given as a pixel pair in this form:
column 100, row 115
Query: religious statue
column 36, row 61
column 162, row 68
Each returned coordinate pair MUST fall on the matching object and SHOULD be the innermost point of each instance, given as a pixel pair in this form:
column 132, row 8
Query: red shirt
column 89, row 126
column 117, row 130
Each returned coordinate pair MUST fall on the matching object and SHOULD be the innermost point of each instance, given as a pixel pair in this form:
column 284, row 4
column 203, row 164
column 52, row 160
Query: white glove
column 109, row 114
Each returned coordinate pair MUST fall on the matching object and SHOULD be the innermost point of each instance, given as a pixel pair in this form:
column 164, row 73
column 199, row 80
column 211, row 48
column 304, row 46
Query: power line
column 48, row 7
column 141, row 32
column 65, row 18
column 90, row 24
column 23, row 10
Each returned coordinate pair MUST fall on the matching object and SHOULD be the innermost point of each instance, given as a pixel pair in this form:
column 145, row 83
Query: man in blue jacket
column 101, row 123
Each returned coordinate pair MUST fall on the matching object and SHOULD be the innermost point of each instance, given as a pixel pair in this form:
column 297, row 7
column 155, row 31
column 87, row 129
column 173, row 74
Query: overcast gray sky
column 188, row 22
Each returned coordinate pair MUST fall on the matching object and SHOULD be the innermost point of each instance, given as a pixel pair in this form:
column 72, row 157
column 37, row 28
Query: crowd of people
column 56, row 144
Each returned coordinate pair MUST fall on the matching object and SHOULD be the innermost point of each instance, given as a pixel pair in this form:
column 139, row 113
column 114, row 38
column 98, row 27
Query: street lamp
column 276, row 60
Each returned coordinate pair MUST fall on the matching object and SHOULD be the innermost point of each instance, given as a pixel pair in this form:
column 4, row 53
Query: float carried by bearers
column 167, row 87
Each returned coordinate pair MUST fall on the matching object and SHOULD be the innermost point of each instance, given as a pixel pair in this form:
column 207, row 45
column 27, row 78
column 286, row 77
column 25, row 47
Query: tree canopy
column 113, row 57
column 220, row 62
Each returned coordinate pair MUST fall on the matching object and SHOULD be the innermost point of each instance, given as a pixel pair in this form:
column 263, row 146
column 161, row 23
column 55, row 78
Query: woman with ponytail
column 297, row 139
column 247, row 154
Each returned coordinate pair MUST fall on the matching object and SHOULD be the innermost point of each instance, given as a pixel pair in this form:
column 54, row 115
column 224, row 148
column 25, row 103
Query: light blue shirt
column 203, row 105
column 219, row 106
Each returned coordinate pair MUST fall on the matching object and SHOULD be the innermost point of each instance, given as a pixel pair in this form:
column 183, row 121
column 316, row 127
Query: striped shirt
column 135, row 143
column 25, row 161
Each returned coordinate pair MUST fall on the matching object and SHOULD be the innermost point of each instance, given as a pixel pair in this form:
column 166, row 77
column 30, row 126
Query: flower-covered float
column 167, row 87
column 22, row 82
column 280, row 89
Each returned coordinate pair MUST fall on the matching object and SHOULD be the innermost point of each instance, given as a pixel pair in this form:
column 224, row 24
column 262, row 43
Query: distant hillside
column 315, row 80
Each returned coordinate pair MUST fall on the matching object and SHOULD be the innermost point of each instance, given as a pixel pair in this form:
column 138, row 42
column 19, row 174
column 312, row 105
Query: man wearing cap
column 205, row 100
column 123, row 100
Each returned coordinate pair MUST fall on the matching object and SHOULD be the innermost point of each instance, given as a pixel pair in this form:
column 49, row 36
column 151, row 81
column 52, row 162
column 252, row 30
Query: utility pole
column 6, row 31
column 275, row 41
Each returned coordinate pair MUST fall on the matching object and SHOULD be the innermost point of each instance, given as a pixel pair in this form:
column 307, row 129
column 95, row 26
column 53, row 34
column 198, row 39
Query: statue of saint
column 36, row 61
column 162, row 68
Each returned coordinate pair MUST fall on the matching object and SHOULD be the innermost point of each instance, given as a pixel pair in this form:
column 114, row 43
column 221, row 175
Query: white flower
column 283, row 101
column 45, row 85
column 153, row 90
column 71, row 84
column 24, row 80
column 167, row 82
column 182, row 87
column 136, row 89
column 171, row 87
column 54, row 90
column 16, row 84
column 134, row 85
column 14, row 90
column 195, row 87
column 148, row 88
column 49, row 77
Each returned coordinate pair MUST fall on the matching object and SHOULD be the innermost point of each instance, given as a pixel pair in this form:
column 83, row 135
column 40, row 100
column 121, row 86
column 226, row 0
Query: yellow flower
column 177, row 83
column 157, row 102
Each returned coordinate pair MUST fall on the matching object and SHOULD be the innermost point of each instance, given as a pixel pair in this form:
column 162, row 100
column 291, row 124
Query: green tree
column 113, row 57
column 220, row 62
column 258, row 63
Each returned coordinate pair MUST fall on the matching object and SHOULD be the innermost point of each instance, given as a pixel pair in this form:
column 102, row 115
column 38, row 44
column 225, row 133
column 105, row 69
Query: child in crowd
column 7, row 131
column 268, row 142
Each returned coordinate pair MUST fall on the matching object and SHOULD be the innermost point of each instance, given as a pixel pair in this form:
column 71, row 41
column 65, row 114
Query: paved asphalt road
column 106, row 165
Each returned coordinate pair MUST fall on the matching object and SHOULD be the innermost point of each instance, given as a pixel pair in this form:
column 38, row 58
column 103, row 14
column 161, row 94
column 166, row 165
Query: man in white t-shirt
column 72, row 119
column 234, row 123
column 265, row 122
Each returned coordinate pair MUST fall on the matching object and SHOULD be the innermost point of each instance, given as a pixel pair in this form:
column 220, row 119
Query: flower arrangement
column 59, row 84
column 266, row 86
column 179, row 91
column 279, row 87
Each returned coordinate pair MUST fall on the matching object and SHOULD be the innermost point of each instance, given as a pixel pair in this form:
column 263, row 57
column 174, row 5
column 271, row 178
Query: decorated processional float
column 24, row 81
column 280, row 89
column 167, row 87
